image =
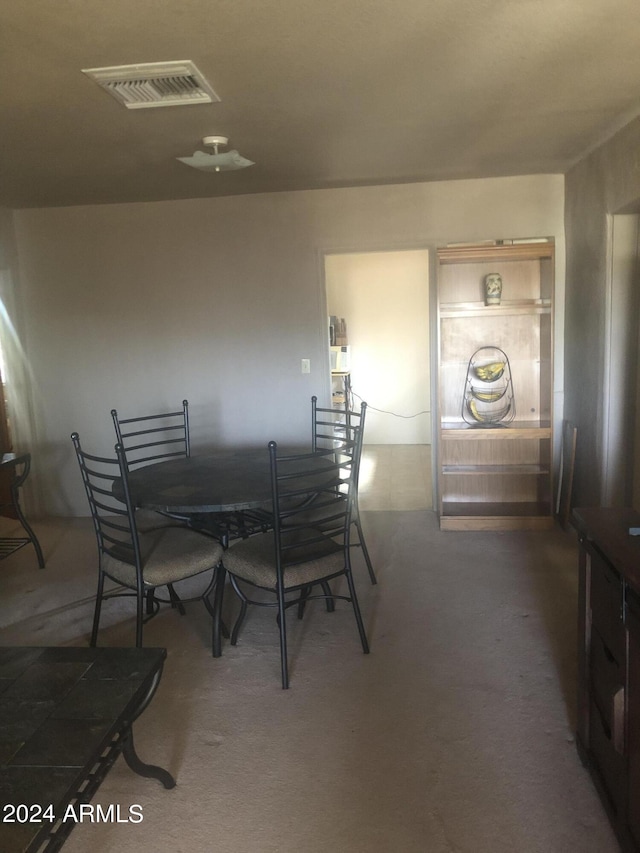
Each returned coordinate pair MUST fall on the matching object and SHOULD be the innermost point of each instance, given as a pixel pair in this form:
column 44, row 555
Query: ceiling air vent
column 154, row 84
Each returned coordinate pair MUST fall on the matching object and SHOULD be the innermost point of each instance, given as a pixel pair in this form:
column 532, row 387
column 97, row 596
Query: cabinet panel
column 492, row 451
column 608, row 678
column 463, row 281
column 610, row 764
column 607, row 606
column 516, row 486
column 633, row 710
column 519, row 337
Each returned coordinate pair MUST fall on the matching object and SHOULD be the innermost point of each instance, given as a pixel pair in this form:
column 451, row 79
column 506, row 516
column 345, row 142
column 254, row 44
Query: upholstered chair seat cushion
column 254, row 560
column 169, row 554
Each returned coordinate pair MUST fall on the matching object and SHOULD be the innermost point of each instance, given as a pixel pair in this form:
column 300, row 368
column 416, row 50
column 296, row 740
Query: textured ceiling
column 319, row 93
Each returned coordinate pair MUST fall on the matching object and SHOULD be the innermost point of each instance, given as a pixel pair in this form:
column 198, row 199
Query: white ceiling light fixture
column 154, row 84
column 225, row 161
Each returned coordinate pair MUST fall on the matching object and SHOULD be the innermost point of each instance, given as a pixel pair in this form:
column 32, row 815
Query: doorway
column 383, row 298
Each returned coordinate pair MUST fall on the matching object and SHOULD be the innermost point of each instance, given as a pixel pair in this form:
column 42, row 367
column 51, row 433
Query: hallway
column 396, row 477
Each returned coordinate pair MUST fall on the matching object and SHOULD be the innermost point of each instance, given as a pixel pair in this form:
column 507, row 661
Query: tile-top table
column 65, row 716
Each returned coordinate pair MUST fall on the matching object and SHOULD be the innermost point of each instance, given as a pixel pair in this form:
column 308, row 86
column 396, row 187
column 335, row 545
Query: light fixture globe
column 215, row 141
column 227, row 161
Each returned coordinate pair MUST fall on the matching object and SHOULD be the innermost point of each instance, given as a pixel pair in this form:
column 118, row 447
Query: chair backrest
column 327, row 423
column 312, row 497
column 331, row 427
column 113, row 518
column 153, row 438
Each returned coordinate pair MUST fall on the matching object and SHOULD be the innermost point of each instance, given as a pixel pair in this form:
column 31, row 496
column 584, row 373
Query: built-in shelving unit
column 496, row 476
column 340, row 388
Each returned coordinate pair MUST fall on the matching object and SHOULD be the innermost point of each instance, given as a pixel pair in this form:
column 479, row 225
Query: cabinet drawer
column 606, row 596
column 607, row 678
column 633, row 612
column 633, row 710
column 610, row 765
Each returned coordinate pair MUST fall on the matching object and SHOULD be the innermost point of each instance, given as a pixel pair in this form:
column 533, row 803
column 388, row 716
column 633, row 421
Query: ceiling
column 319, row 93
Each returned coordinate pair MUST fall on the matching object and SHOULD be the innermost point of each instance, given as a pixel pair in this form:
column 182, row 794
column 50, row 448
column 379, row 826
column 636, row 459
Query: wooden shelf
column 490, row 251
column 506, row 308
column 481, row 470
column 516, row 430
column 496, row 477
column 495, row 516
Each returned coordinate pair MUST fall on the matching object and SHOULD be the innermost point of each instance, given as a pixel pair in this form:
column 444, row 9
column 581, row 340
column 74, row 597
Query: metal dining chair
column 147, row 439
column 300, row 554
column 139, row 563
column 158, row 437
column 153, row 438
column 327, row 430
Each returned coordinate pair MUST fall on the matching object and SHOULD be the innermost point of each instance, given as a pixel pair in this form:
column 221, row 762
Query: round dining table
column 218, row 481
column 228, row 482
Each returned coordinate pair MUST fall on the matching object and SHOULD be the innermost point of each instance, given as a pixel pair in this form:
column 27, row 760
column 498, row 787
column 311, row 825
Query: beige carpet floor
column 455, row 735
column 395, row 476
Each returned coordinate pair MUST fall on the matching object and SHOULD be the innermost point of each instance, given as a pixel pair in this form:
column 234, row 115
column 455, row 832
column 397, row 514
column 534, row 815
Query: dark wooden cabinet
column 633, row 713
column 608, row 725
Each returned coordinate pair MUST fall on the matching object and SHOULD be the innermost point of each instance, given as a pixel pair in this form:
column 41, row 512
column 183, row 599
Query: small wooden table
column 19, row 466
column 65, row 716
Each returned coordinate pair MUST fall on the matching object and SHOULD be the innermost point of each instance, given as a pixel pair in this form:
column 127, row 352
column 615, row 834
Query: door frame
column 431, row 249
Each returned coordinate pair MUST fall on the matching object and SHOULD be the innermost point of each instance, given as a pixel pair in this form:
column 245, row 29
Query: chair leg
column 96, row 611
column 365, row 552
column 356, row 611
column 302, row 601
column 150, row 598
column 331, row 605
column 140, row 597
column 282, row 624
column 238, row 622
column 175, row 600
column 217, row 626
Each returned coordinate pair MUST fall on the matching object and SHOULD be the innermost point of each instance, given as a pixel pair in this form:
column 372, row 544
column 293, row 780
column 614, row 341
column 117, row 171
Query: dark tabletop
column 608, row 529
column 58, row 708
column 11, row 459
column 220, row 481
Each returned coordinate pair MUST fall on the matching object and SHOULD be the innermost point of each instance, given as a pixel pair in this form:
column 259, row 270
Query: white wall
column 217, row 300
column 605, row 183
column 384, row 297
column 621, row 357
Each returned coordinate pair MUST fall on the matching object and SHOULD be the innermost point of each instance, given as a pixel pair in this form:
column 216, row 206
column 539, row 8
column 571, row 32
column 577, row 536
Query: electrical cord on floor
column 395, row 414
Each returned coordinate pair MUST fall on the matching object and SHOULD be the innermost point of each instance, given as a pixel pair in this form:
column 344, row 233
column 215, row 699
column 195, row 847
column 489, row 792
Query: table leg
column 139, row 767
column 15, row 497
column 128, row 749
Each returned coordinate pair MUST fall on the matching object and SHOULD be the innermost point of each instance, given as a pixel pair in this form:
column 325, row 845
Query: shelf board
column 495, row 516
column 504, row 252
column 451, row 431
column 515, row 469
column 506, row 308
